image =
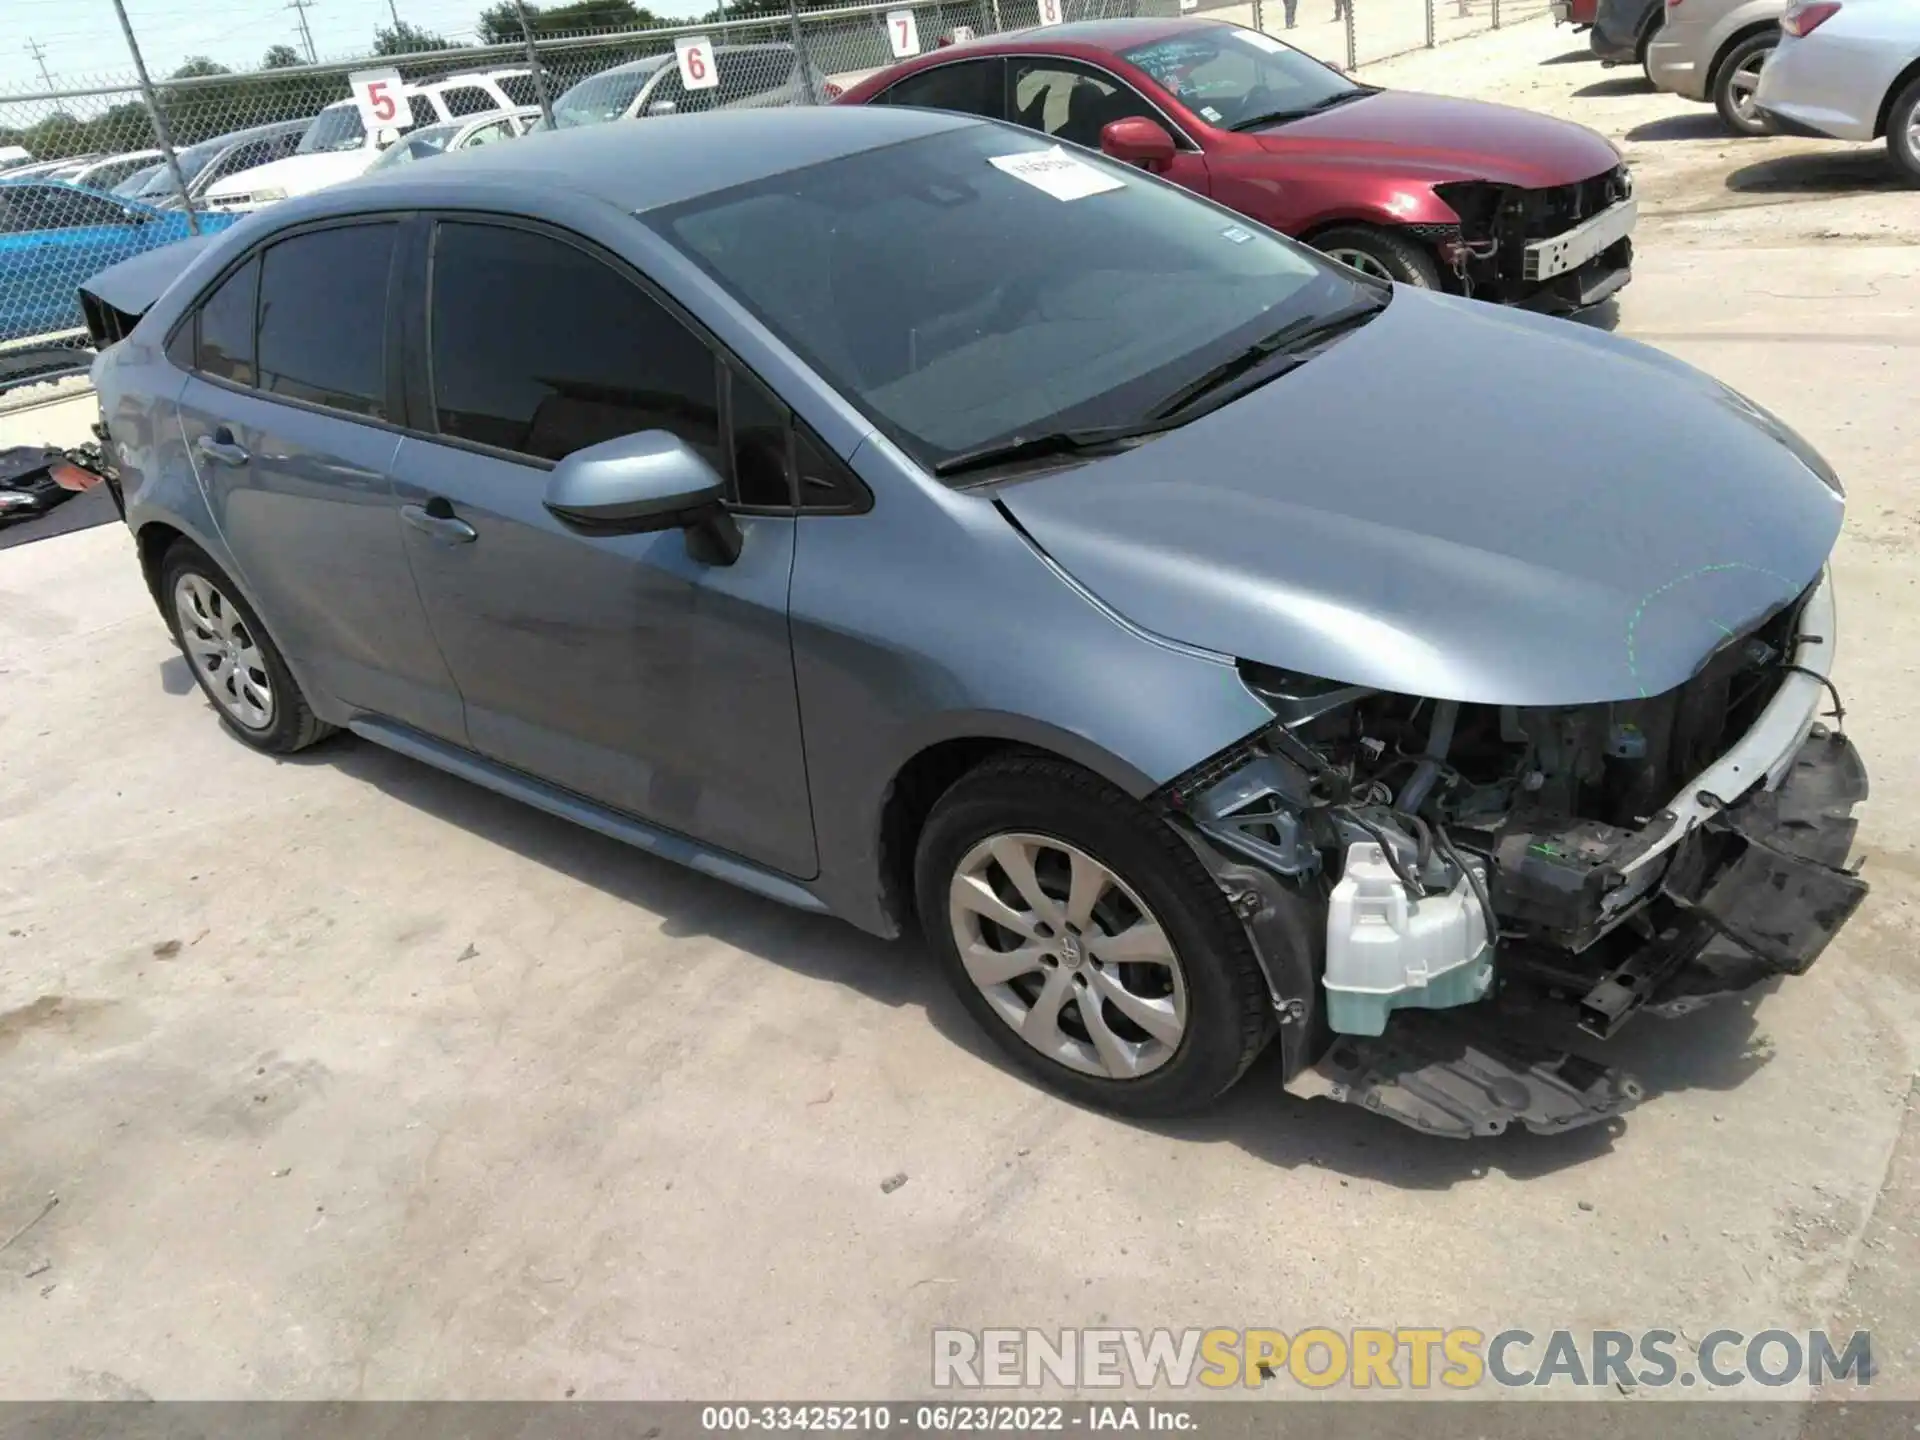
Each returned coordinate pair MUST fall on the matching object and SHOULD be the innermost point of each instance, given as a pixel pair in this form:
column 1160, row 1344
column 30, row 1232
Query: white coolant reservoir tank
column 1387, row 950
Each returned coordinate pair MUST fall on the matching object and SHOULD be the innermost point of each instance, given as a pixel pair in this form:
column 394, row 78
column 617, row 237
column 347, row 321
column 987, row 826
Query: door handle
column 220, row 446
column 436, row 518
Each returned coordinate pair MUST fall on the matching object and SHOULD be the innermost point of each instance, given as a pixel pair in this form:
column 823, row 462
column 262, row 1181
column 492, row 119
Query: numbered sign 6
column 903, row 34
column 695, row 54
column 1052, row 12
column 382, row 98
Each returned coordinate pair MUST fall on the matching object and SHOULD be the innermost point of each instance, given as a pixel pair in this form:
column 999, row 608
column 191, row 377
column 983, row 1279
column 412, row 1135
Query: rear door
column 622, row 667
column 289, row 419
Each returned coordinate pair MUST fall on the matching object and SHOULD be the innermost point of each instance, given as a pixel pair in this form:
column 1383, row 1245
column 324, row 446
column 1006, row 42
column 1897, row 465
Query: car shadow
column 1604, row 316
column 1693, row 125
column 1819, row 172
column 176, row 676
column 1634, row 84
column 1257, row 1115
column 1572, row 57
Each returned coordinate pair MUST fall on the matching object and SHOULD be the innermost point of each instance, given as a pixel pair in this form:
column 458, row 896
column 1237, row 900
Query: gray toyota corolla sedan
column 901, row 516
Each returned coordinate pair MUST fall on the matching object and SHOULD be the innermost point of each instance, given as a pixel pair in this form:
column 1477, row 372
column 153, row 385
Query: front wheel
column 1381, row 254
column 1084, row 936
column 1903, row 131
column 1737, row 84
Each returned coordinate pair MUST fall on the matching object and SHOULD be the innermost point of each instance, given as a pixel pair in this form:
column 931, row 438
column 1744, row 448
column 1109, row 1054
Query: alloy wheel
column 1360, row 260
column 223, row 651
column 1744, row 86
column 1068, row 955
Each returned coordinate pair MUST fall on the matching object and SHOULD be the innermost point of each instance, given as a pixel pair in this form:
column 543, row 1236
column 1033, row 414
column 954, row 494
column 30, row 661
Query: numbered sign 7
column 903, row 34
column 695, row 54
column 382, row 98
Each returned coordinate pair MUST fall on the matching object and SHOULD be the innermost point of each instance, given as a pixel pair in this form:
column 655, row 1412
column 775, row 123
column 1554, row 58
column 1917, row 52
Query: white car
column 107, row 173
column 337, row 147
column 431, row 140
column 1849, row 70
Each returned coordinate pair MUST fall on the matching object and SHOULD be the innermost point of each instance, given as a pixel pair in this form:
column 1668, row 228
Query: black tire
column 1404, row 260
column 1643, row 52
column 1900, row 137
column 1723, row 97
column 292, row 724
column 1228, row 1011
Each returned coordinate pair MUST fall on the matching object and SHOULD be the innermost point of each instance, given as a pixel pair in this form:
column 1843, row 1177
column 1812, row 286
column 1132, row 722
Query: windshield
column 419, row 145
column 979, row 285
column 193, row 160
column 336, row 128
column 1229, row 76
column 603, row 97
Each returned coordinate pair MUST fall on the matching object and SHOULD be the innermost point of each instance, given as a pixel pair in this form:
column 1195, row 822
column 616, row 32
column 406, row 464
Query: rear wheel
column 1381, row 254
column 1084, row 936
column 1737, row 82
column 1903, row 131
column 232, row 657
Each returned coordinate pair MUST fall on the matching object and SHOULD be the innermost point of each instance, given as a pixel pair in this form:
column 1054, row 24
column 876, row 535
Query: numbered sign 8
column 695, row 54
column 903, row 34
column 1052, row 12
column 382, row 98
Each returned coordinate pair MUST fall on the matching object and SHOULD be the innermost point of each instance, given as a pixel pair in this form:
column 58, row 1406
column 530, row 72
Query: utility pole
column 161, row 132
column 299, row 7
column 533, row 64
column 393, row 7
column 39, row 53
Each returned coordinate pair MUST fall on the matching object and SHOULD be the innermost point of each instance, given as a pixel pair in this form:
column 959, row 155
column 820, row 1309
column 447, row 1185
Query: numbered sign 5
column 903, row 34
column 382, row 98
column 1052, row 12
column 695, row 54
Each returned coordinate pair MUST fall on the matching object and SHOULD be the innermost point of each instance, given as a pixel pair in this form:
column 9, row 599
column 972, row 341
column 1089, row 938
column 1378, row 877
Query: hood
column 297, row 174
column 1468, row 139
column 1455, row 501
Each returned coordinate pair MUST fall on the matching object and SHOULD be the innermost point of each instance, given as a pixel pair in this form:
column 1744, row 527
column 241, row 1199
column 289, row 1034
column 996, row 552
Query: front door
column 620, row 667
column 283, row 418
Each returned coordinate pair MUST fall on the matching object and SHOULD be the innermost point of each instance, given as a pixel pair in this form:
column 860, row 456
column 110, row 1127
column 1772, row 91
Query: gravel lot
column 353, row 1080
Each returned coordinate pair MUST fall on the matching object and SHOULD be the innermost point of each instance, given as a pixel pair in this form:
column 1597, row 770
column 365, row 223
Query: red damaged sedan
column 1479, row 199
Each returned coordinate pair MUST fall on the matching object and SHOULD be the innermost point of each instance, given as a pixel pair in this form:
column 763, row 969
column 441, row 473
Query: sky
column 84, row 46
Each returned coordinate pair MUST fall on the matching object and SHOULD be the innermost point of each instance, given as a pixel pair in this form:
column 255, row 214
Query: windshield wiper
column 1051, row 442
column 1276, row 117
column 1293, row 339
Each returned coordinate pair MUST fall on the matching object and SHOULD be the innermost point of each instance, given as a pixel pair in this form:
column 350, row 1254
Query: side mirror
column 1138, row 141
column 385, row 136
column 662, row 107
column 641, row 483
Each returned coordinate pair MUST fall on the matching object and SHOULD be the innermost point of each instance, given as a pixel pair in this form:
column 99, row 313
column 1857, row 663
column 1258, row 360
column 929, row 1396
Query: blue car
column 54, row 235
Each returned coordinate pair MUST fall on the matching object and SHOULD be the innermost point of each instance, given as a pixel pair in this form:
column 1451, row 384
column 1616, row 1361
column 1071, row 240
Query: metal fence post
column 1496, row 14
column 1353, row 48
column 533, row 64
column 800, row 49
column 998, row 24
column 1259, row 15
column 1430, row 24
column 159, row 117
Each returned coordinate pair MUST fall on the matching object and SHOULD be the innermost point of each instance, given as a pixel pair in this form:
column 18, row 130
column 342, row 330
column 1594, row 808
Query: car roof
column 639, row 167
column 1108, row 37
column 649, row 63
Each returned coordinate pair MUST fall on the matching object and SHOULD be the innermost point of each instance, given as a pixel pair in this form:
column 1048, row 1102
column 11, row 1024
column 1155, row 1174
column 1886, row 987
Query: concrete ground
column 352, row 1080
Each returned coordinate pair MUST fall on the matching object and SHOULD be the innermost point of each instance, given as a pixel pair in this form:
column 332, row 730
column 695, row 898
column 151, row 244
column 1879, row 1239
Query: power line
column 39, row 53
column 299, row 7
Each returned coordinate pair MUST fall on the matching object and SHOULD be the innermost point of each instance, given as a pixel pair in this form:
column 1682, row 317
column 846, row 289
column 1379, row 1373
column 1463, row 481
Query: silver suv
column 1712, row 50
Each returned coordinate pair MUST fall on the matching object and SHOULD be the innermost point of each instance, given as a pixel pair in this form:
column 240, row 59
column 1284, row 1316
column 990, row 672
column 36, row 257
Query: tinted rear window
column 323, row 306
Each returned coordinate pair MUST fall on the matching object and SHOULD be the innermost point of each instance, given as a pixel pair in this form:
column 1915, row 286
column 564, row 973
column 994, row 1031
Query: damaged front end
column 1561, row 248
column 1649, row 853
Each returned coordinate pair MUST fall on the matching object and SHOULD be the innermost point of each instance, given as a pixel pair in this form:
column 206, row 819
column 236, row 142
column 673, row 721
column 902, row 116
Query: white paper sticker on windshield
column 1212, row 114
column 1265, row 42
column 1057, row 173
column 1237, row 234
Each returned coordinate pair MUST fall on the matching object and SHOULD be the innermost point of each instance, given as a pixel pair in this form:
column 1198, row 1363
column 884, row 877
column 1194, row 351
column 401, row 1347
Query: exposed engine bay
column 1622, row 855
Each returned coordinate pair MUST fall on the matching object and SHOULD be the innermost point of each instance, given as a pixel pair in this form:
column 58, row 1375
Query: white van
column 336, row 145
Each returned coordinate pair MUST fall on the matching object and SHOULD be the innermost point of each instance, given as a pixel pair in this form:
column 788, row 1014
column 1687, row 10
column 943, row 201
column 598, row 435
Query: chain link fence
column 123, row 184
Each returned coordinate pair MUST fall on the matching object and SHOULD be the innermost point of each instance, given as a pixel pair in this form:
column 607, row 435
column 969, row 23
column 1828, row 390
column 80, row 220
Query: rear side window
column 520, row 89
column 225, row 345
column 463, row 100
column 570, row 354
column 972, row 88
column 323, row 307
